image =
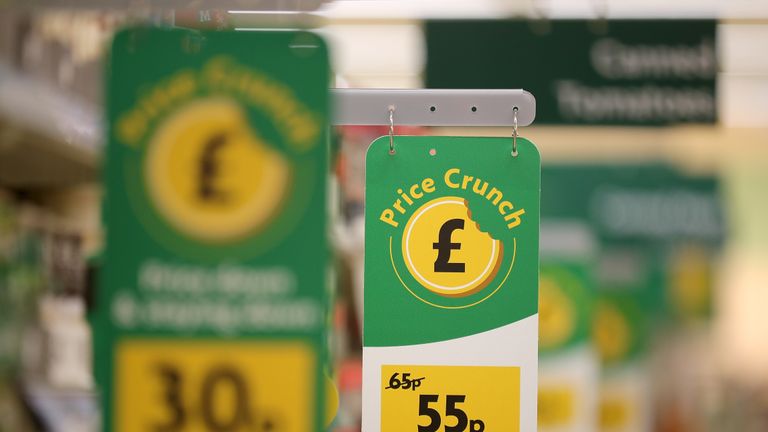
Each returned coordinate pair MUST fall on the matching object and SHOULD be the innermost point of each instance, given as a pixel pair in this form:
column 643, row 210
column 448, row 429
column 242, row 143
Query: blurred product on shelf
column 350, row 379
column 44, row 337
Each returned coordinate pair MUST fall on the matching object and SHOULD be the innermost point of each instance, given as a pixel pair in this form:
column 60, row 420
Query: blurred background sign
column 629, row 72
column 675, row 221
column 568, row 361
column 639, row 202
column 215, row 261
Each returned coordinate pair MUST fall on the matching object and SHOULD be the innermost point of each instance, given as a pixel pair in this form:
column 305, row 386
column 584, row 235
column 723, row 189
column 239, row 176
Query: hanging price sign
column 451, row 292
column 568, row 366
column 211, row 311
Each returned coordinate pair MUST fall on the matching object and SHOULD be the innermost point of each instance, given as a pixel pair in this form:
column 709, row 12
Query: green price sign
column 211, row 295
column 451, row 285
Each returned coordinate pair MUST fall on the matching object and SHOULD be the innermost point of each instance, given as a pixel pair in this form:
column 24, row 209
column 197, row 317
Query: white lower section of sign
column 568, row 381
column 625, row 400
column 515, row 344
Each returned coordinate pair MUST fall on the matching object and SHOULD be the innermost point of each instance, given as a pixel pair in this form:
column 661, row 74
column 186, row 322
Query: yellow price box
column 615, row 413
column 196, row 386
column 556, row 406
column 450, row 398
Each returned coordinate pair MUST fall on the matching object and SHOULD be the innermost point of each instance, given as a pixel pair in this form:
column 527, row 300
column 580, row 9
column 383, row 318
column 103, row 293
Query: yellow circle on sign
column 556, row 314
column 207, row 385
column 611, row 332
column 445, row 250
column 211, row 176
column 690, row 281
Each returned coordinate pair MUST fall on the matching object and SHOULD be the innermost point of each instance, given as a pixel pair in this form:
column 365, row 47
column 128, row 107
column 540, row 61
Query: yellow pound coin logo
column 445, row 250
column 557, row 317
column 611, row 332
column 211, row 176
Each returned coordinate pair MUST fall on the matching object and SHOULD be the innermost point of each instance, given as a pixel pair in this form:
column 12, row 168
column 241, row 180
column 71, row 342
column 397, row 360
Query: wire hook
column 514, row 131
column 391, row 129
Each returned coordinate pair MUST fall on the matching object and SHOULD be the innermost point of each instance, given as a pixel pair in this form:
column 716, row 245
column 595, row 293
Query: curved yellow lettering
column 414, row 193
column 448, row 178
column 506, row 204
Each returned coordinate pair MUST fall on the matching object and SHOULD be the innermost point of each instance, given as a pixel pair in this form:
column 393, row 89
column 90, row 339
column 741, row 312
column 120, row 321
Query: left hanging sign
column 210, row 311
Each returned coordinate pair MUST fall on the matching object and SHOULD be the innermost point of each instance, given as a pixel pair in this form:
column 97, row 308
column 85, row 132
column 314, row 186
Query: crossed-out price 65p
column 404, row 382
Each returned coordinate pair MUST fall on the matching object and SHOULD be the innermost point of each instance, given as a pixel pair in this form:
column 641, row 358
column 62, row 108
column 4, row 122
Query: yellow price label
column 615, row 412
column 191, row 386
column 556, row 406
column 450, row 398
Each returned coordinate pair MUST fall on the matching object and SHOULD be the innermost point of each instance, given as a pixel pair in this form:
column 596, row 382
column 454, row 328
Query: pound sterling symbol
column 444, row 246
column 209, row 168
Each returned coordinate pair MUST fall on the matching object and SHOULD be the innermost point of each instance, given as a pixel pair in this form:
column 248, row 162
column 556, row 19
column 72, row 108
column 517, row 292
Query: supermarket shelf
column 47, row 138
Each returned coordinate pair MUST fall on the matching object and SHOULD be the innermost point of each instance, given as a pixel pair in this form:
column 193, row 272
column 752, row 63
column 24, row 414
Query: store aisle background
column 51, row 64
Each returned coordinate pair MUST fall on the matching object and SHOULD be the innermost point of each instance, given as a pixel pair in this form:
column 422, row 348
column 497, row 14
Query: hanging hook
column 514, row 131
column 391, row 129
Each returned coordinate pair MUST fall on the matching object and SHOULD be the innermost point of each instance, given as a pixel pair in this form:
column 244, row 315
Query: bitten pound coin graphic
column 213, row 177
column 446, row 251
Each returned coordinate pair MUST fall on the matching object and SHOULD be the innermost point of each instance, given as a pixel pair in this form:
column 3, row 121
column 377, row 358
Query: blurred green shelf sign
column 212, row 300
column 646, row 203
column 658, row 230
column 628, row 72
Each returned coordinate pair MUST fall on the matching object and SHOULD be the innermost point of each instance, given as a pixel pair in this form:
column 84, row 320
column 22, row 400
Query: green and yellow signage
column 568, row 367
column 451, row 285
column 211, row 302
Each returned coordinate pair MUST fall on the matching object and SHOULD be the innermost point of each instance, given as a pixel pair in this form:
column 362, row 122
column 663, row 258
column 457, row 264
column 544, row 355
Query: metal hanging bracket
column 433, row 107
